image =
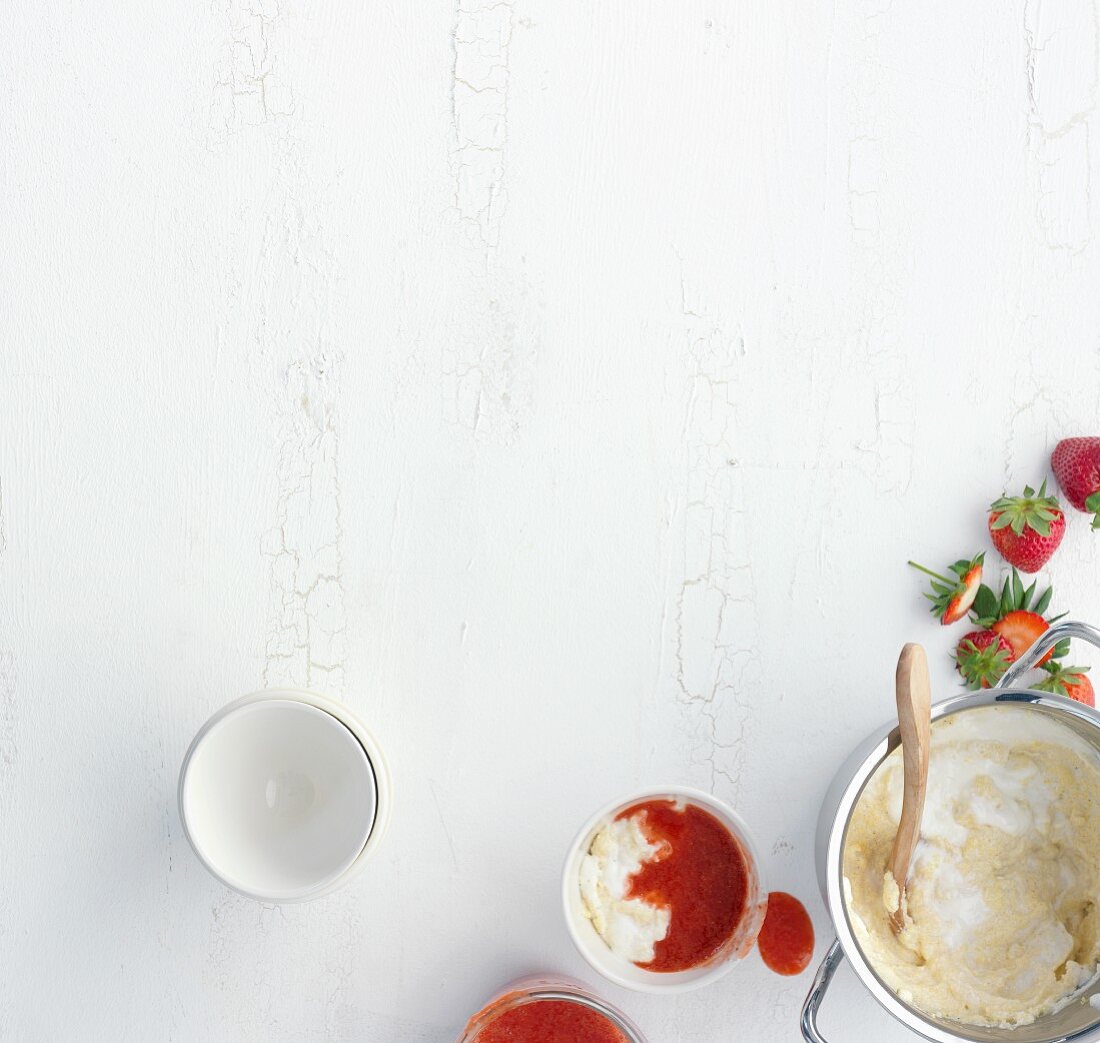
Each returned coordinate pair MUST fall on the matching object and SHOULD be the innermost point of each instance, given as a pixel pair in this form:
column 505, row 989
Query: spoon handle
column 915, row 725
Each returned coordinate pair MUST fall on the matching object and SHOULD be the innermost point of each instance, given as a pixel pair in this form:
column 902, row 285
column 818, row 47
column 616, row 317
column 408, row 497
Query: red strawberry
column 1017, row 615
column 1076, row 465
column 951, row 598
column 1021, row 630
column 982, row 657
column 1027, row 529
column 1069, row 681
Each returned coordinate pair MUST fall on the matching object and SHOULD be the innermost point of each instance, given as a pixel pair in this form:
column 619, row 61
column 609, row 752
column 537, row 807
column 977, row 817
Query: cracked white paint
column 307, row 643
column 714, row 627
column 1062, row 44
column 488, row 359
column 564, row 385
column 281, row 300
column 249, row 89
column 489, row 365
column 479, row 109
column 884, row 443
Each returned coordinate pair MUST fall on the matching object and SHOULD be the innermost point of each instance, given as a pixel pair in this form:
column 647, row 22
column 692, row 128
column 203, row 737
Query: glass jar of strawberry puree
column 544, row 1009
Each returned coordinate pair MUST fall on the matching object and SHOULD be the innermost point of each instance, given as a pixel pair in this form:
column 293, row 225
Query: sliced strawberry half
column 952, row 596
column 1021, row 630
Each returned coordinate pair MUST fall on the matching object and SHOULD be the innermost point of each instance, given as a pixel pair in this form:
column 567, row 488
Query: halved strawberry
column 1069, row 681
column 951, row 598
column 1017, row 615
column 1021, row 630
column 982, row 657
column 1027, row 529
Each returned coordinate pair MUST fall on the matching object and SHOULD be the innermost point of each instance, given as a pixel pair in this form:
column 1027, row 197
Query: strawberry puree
column 786, row 941
column 701, row 876
column 551, row 1021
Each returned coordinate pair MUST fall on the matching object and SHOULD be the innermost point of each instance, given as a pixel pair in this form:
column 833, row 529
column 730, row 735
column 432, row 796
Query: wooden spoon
column 915, row 724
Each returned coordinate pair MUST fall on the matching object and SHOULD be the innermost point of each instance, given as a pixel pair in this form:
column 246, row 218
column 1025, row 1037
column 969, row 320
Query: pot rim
column 881, row 743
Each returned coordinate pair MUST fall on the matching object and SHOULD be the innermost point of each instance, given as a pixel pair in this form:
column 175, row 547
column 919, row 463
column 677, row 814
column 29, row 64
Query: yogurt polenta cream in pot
column 1002, row 933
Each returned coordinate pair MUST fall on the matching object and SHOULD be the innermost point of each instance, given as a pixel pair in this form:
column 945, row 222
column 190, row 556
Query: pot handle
column 1051, row 637
column 817, row 993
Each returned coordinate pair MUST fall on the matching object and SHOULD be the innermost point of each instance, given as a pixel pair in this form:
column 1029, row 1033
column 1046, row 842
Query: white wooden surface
column 562, row 384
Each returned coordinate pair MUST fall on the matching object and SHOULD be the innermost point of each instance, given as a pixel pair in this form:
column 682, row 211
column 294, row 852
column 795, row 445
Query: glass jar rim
column 521, row 995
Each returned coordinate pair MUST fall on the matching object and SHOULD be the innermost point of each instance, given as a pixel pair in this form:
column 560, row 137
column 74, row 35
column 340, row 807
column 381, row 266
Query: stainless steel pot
column 1077, row 1023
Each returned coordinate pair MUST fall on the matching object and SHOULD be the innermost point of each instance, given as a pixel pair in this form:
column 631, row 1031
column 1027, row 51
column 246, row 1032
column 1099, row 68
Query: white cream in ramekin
column 632, row 927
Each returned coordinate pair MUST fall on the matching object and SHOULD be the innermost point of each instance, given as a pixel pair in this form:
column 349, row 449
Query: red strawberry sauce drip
column 700, row 876
column 786, row 941
column 551, row 1021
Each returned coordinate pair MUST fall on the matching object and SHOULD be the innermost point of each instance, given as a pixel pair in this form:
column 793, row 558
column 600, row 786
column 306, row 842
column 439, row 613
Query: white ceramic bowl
column 282, row 794
column 620, row 970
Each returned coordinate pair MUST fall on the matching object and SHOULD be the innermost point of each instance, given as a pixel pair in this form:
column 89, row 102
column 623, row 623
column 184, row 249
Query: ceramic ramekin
column 345, row 864
column 621, row 971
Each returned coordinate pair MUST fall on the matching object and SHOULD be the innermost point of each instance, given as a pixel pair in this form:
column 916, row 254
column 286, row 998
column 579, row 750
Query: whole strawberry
column 1069, row 681
column 1027, row 529
column 982, row 657
column 953, row 595
column 1076, row 465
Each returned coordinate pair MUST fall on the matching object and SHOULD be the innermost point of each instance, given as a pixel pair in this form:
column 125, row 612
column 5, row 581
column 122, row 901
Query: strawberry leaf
column 1032, row 510
column 1028, row 595
column 985, row 604
column 988, row 606
column 1044, row 601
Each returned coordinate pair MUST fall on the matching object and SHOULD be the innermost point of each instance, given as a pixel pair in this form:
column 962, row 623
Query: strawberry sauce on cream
column 551, row 1021
column 699, row 874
